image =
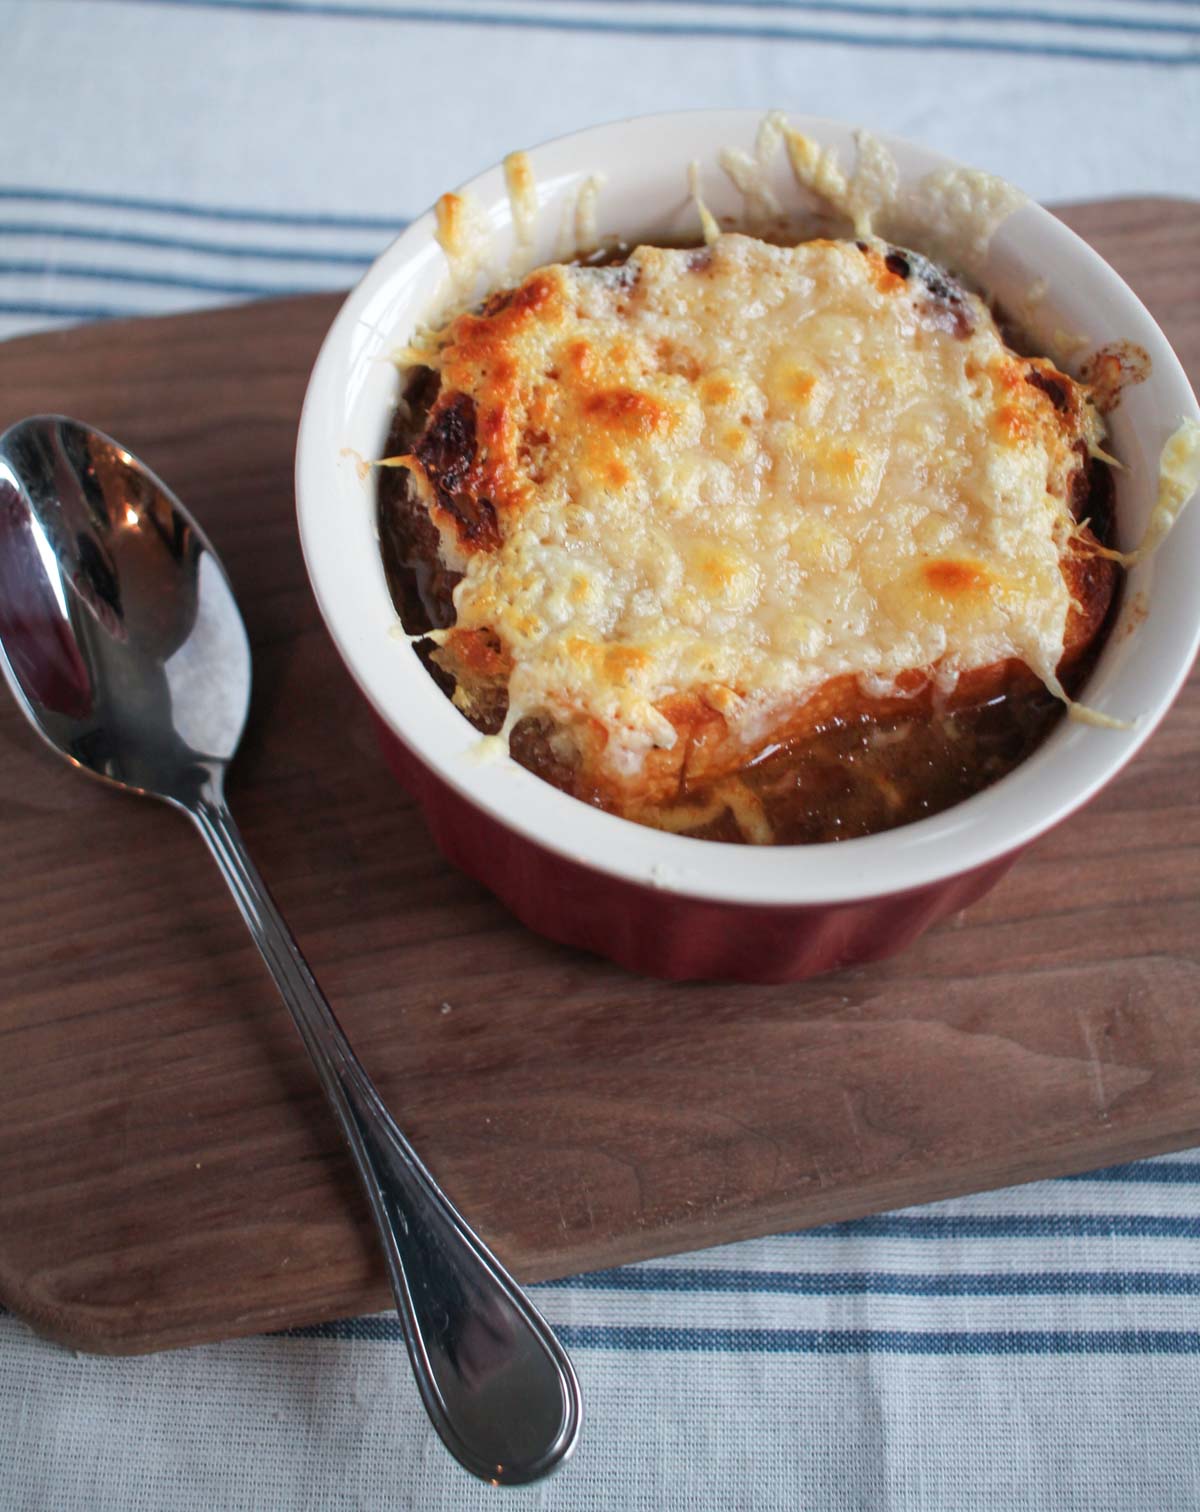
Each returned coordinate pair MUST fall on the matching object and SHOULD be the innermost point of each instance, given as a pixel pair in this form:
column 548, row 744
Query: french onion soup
column 749, row 542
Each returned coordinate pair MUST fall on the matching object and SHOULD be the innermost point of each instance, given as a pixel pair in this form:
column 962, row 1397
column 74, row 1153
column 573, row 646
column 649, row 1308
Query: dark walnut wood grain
column 168, row 1170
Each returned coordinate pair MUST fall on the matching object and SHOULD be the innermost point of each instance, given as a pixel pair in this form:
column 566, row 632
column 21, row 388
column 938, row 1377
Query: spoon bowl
column 122, row 641
column 119, row 631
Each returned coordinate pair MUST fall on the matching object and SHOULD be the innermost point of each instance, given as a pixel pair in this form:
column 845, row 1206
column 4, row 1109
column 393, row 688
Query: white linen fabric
column 165, row 154
column 1029, row 1349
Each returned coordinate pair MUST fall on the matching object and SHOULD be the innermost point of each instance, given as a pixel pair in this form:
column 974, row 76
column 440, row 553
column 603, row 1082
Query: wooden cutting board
column 168, row 1170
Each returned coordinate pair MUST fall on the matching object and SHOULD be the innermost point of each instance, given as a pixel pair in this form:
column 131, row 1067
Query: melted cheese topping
column 1178, row 480
column 740, row 473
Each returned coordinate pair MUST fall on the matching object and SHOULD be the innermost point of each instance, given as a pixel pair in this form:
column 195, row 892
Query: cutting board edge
column 74, row 1327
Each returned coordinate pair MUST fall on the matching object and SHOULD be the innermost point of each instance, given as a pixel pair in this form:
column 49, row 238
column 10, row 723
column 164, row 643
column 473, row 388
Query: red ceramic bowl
column 664, row 904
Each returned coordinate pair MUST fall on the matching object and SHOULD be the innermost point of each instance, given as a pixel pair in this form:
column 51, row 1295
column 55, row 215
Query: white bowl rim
column 1073, row 764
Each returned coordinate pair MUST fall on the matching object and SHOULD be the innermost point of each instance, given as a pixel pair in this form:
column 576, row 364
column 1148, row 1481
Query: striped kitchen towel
column 204, row 151
column 1034, row 1350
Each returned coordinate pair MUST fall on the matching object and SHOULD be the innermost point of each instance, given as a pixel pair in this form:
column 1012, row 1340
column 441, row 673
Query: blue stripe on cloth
column 183, row 244
column 1010, row 1226
column 698, row 29
column 672, row 1280
column 1169, row 1173
column 875, row 1283
column 11, row 268
column 1090, row 22
column 53, row 310
column 305, row 219
column 816, row 1341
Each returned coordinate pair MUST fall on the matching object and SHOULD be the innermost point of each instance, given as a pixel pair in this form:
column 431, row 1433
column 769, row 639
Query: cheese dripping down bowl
column 666, row 904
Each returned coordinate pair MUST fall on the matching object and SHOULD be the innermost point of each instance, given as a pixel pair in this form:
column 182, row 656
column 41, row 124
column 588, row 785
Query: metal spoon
column 123, row 644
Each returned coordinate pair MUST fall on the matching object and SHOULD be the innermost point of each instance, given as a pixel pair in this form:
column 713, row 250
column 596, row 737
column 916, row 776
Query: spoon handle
column 495, row 1381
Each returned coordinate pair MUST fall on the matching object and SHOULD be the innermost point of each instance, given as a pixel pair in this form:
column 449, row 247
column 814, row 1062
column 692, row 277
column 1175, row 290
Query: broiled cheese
column 739, row 473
